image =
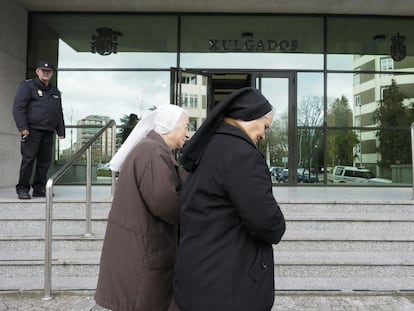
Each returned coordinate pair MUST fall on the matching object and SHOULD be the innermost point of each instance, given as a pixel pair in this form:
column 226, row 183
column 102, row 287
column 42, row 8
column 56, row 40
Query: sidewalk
column 283, row 302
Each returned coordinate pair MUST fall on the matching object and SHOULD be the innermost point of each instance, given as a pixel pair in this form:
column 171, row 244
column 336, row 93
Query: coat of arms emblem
column 398, row 48
column 106, row 42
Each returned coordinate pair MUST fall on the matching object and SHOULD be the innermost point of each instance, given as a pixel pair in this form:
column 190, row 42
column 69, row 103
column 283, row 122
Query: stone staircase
column 75, row 258
column 346, row 246
column 329, row 245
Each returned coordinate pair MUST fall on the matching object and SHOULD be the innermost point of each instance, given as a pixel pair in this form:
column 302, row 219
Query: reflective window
column 310, row 99
column 142, row 41
column 275, row 145
column 105, row 98
column 349, row 118
column 387, row 64
column 374, row 131
column 350, row 38
column 310, row 156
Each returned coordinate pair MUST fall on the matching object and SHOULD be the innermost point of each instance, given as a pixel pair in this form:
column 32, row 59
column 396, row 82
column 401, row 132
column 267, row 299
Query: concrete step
column 348, row 207
column 295, row 211
column 282, row 259
column 36, row 228
column 362, row 258
column 303, row 230
column 316, row 218
column 316, row 234
column 345, row 284
column 59, row 283
column 324, row 268
column 76, row 243
column 64, row 257
column 327, row 245
column 344, row 271
column 61, row 210
column 362, row 216
column 303, row 283
column 364, row 227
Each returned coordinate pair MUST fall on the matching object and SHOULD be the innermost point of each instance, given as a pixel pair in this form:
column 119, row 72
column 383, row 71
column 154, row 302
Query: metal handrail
column 49, row 198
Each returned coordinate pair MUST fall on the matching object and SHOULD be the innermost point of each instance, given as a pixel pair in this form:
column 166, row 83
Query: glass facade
column 342, row 86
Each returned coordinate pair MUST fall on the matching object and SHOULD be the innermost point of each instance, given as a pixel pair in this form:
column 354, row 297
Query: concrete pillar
column 13, row 38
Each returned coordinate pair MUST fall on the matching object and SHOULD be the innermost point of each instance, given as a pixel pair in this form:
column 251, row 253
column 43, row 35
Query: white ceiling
column 368, row 7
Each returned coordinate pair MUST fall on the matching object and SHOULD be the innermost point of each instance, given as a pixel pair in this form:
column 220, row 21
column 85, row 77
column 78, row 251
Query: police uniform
column 37, row 108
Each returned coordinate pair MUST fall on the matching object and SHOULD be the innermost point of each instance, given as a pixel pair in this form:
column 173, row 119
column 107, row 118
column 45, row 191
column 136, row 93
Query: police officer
column 37, row 111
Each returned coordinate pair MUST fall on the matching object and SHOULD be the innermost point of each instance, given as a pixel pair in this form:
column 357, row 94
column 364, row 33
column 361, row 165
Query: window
column 383, row 89
column 357, row 100
column 192, row 125
column 387, row 64
column 357, row 78
column 357, row 120
column 189, row 100
column 193, row 101
column 338, row 171
column 189, row 80
column 330, row 88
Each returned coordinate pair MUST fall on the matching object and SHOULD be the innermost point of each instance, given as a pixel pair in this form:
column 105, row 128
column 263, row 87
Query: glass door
column 280, row 145
column 198, row 91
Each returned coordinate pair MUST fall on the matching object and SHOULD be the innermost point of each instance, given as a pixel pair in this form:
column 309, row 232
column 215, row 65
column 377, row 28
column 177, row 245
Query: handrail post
column 49, row 201
column 88, row 191
column 113, row 146
column 48, row 240
column 412, row 157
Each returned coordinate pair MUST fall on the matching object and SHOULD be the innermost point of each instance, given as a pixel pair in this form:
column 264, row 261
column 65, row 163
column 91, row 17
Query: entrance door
column 199, row 91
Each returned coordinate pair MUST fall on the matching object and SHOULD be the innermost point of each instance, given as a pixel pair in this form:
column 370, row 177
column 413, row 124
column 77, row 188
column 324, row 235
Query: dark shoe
column 23, row 195
column 39, row 194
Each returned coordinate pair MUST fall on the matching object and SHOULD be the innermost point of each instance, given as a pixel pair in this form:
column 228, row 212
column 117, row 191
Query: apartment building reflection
column 86, row 128
column 377, row 75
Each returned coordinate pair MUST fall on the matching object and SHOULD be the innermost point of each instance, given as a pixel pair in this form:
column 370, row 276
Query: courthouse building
column 324, row 65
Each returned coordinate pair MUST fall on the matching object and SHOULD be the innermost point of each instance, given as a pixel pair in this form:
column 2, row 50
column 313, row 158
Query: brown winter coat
column 141, row 236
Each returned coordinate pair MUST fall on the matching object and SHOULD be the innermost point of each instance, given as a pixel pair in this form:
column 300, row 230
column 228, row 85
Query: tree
column 394, row 144
column 123, row 121
column 310, row 114
column 341, row 141
column 275, row 144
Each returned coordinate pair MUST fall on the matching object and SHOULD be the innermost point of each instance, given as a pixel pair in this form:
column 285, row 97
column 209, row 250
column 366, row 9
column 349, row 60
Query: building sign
column 252, row 45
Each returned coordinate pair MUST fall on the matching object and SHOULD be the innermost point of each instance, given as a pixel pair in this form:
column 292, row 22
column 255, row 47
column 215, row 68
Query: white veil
column 162, row 120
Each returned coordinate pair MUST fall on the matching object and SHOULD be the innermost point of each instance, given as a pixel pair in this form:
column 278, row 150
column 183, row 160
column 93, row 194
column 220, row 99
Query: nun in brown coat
column 141, row 237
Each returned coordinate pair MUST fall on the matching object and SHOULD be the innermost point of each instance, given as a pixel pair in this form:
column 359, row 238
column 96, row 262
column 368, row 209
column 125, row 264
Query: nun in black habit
column 229, row 216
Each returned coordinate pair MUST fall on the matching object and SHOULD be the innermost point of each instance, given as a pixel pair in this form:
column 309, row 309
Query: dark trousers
column 36, row 147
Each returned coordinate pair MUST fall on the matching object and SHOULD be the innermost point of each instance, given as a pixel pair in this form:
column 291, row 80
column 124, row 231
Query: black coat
column 229, row 221
column 37, row 106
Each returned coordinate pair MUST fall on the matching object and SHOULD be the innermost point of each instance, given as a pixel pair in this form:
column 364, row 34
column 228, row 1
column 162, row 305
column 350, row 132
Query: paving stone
column 298, row 302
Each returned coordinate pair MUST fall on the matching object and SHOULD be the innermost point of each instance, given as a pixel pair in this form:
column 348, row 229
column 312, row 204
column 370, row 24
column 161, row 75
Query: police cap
column 44, row 65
